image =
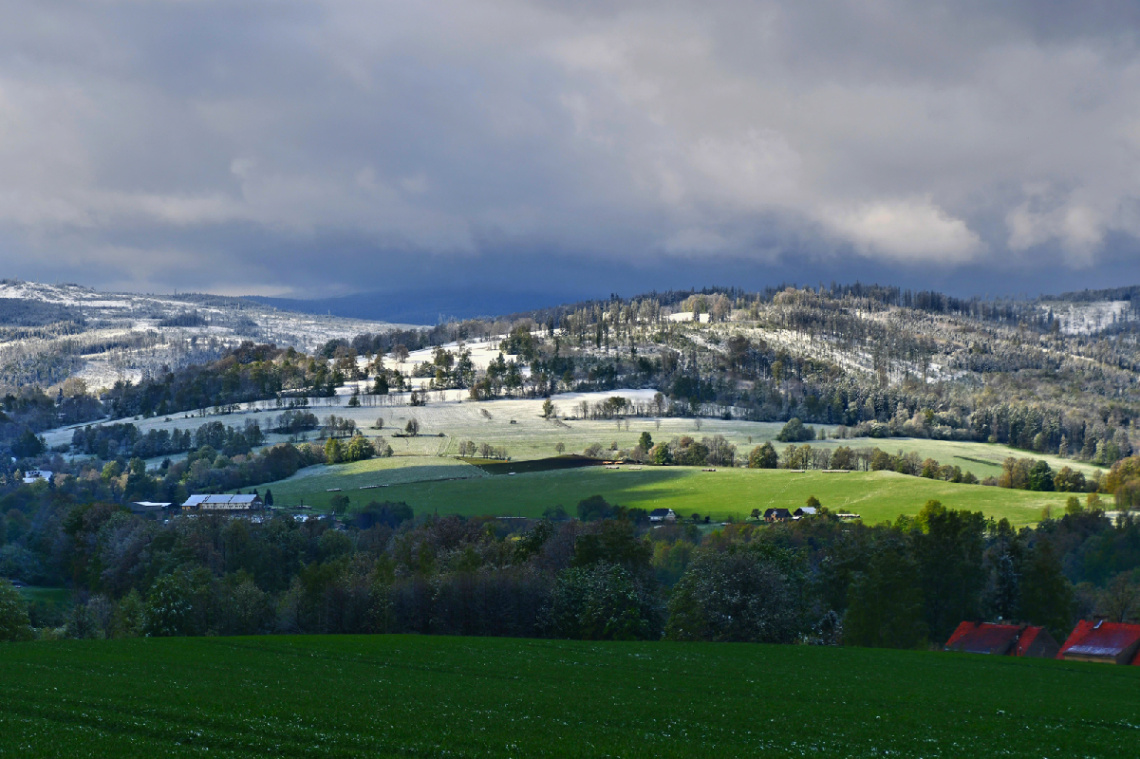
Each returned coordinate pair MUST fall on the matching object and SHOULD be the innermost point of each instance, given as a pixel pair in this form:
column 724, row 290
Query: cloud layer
column 280, row 146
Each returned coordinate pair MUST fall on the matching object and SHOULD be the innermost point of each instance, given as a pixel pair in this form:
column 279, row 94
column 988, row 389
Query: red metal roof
column 1001, row 640
column 1026, row 639
column 984, row 638
column 1108, row 641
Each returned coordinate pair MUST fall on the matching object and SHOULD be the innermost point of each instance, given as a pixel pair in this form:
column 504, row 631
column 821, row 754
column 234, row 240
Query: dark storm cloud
column 331, row 146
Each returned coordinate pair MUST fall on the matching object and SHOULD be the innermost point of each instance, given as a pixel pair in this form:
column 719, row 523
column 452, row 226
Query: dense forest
column 605, row 575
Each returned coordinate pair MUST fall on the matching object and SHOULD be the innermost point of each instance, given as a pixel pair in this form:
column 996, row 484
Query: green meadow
column 723, row 494
column 352, row 696
column 314, row 485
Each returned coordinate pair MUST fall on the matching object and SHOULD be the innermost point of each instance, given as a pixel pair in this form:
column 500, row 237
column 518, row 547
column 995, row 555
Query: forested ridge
column 875, row 361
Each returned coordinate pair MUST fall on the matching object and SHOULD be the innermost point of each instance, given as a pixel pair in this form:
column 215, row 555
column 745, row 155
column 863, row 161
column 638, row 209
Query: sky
column 569, row 148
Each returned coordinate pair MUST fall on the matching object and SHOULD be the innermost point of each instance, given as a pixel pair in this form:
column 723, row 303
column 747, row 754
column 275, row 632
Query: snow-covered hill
column 50, row 332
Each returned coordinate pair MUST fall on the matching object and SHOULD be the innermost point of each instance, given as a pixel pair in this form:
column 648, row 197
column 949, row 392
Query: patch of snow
column 1089, row 318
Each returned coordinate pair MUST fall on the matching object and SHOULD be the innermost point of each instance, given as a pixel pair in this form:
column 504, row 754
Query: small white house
column 662, row 515
column 35, row 475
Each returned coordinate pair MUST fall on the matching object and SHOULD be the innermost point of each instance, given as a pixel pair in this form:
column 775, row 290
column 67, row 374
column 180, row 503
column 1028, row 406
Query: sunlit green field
column 350, row 696
column 726, row 493
column 372, row 478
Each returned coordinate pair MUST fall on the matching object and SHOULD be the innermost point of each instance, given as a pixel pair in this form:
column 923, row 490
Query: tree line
column 605, row 576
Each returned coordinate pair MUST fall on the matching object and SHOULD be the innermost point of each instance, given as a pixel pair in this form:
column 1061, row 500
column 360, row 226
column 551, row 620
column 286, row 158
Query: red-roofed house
column 1002, row 640
column 1111, row 642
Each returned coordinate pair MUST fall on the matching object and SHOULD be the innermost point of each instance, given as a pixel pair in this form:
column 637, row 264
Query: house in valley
column 36, row 475
column 1108, row 642
column 232, row 505
column 1003, row 640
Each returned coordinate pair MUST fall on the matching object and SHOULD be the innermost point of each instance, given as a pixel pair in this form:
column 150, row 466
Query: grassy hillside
column 518, row 426
column 876, row 496
column 314, row 483
column 423, row 696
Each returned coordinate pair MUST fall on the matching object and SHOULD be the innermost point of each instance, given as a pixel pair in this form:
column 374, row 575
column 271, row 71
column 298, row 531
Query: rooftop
column 1103, row 641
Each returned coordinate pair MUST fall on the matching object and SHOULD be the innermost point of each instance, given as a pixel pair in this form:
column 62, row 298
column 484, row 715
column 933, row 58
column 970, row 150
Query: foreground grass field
column 876, row 496
column 469, row 697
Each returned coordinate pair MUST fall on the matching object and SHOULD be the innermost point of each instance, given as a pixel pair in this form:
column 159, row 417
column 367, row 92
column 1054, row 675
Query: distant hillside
column 1083, row 312
column 420, row 307
column 51, row 332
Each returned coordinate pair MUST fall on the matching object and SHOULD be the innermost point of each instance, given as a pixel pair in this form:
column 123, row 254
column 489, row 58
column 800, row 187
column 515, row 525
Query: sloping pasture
column 724, row 494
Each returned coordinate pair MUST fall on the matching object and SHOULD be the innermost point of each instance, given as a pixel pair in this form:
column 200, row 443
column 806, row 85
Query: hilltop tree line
column 111, row 441
column 248, row 373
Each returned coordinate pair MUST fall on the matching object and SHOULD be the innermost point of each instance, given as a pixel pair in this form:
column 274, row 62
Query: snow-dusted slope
column 1089, row 318
column 113, row 336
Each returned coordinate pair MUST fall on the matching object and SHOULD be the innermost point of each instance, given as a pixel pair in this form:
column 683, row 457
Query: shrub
column 14, row 623
column 600, row 602
column 743, row 594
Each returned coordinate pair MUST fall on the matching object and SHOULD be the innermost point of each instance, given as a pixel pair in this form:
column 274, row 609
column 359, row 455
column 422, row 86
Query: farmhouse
column 777, row 515
column 1109, row 642
column 35, row 475
column 804, row 511
column 222, row 504
column 1002, row 640
column 662, row 515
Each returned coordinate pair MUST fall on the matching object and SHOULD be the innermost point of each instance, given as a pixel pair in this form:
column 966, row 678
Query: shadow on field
column 529, row 494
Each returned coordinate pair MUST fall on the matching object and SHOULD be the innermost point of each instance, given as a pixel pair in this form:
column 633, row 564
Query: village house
column 234, row 505
column 1002, row 640
column 804, row 511
column 777, row 515
column 1108, row 642
column 662, row 515
column 35, row 475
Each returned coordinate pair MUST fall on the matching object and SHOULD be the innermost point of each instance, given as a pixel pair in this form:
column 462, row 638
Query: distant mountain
column 51, row 332
column 422, row 306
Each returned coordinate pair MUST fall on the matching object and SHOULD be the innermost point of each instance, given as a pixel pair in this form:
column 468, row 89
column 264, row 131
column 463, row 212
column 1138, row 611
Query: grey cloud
column 165, row 143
